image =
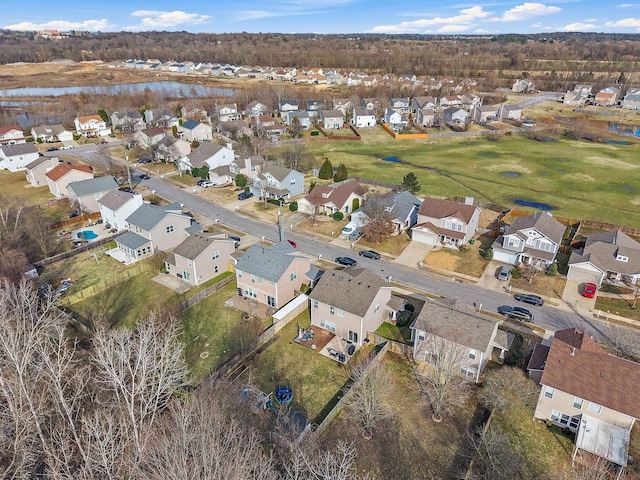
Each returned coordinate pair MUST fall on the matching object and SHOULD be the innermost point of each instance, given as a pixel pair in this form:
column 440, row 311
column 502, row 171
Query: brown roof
column 9, row 128
column 440, row 208
column 61, row 170
column 88, row 118
column 543, row 222
column 539, row 357
column 115, row 199
column 197, row 243
column 442, row 231
column 337, row 195
column 579, row 366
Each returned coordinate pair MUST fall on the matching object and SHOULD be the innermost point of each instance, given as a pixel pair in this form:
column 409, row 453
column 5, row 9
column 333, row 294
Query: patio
column 325, row 343
column 250, row 306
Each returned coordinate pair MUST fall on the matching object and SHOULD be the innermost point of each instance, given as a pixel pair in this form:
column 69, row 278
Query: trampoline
column 283, row 394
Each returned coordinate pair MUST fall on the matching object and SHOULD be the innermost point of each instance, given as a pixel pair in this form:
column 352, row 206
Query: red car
column 589, row 290
column 292, row 243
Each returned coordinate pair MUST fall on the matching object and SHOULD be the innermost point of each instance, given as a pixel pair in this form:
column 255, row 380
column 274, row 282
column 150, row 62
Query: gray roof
column 148, row 215
column 190, row 124
column 351, row 289
column 204, row 152
column 93, row 185
column 279, row 173
column 18, row 149
column 543, row 222
column 456, row 321
column 265, row 262
column 196, row 243
column 40, row 161
column 132, row 240
column 332, row 114
column 115, row 199
column 603, row 249
column 404, row 202
column 49, row 129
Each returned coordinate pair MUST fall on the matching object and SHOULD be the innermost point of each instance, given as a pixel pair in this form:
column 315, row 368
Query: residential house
column 395, row 119
column 314, row 107
column 196, row 113
column 63, row 174
column 200, row 257
column 363, row 118
column 401, row 104
column 533, row 239
column 449, row 223
column 170, row 148
column 342, row 197
column 425, row 117
column 250, row 167
column 116, row 206
column 91, row 126
column 631, row 100
column 278, row 182
column 84, row 194
column 268, row 126
column 371, row 103
column 161, row 117
column 149, row 138
column 272, row 275
column 484, row 114
column 523, row 86
column 608, row 256
column 510, row 111
column 335, row 78
column 285, row 106
column 303, row 118
column 537, row 362
column 607, row 96
column 401, row 209
column 470, row 101
column 255, row 109
column 51, row 133
column 455, row 115
column 450, row 101
column 16, row 156
column 37, row 170
column 192, row 130
column 150, row 228
column 350, row 303
column 419, row 103
column 591, row 393
column 210, row 154
column 11, row 134
column 127, row 121
column 451, row 328
column 574, row 98
column 227, row 112
column 583, row 90
column 332, row 119
column 345, row 105
column 234, row 129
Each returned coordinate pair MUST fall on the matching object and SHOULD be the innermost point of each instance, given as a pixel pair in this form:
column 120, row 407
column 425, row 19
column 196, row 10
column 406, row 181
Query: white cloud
column 526, row 10
column 63, row 25
column 254, row 15
column 579, row 27
column 467, row 18
column 628, row 5
column 151, row 19
column 625, row 23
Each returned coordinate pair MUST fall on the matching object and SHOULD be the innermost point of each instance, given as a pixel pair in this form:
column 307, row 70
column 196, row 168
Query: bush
column 276, row 201
column 552, row 270
column 293, row 207
column 315, row 133
column 488, row 255
column 338, row 216
column 516, row 273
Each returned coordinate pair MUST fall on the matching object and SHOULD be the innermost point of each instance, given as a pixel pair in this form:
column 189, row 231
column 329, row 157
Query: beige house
column 330, row 199
column 90, row 126
column 445, row 222
column 59, row 177
column 272, row 275
column 36, row 170
column 193, row 130
column 85, row 194
column 350, row 303
column 200, row 257
column 469, row 338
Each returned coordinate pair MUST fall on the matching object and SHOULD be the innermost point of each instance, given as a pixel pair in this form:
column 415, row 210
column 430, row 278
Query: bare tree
column 441, row 381
column 597, row 468
column 308, row 461
column 379, row 227
column 370, row 393
column 493, row 456
column 623, row 341
column 506, row 386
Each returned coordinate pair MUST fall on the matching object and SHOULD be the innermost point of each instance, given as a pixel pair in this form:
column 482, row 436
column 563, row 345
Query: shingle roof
column 266, row 262
column 9, row 128
column 337, row 195
column 132, row 240
column 41, row 160
column 578, row 366
column 277, row 172
column 196, row 243
column 543, row 222
column 93, row 185
column 439, row 208
column 204, row 152
column 538, row 358
column 603, row 249
column 458, row 322
column 190, row 124
column 147, row 216
column 49, row 129
column 18, row 149
column 115, row 199
column 351, row 289
column 62, row 169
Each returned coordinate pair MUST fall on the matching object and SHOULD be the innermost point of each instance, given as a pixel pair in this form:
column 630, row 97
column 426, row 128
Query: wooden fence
column 74, row 252
column 190, row 302
column 404, row 136
column 76, row 220
column 398, row 348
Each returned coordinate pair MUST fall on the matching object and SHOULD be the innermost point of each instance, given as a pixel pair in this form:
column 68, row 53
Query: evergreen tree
column 410, row 183
column 326, row 171
column 241, row 180
column 341, row 174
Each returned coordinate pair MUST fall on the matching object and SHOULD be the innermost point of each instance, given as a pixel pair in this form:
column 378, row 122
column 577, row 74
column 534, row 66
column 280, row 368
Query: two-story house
column 51, row 133
column 329, row 199
column 84, row 194
column 613, row 256
column 200, row 257
column 255, row 109
column 16, row 156
column 161, row 117
column 278, row 182
column 271, row 275
column 285, row 106
column 484, row 113
column 400, row 104
column 455, row 115
column 468, row 338
column 150, row 228
column 207, row 154
column 149, row 138
column 227, row 112
column 607, row 96
column 37, row 170
column 59, row 177
column 631, row 100
column 533, row 239
column 130, row 121
column 425, row 117
column 302, row 117
column 395, row 119
column 343, row 104
column 401, row 209
column 170, row 148
column 192, row 130
column 419, row 103
column 363, row 118
column 511, row 111
column 446, row 222
column 91, row 126
column 11, row 134
column 116, row 206
column 350, row 303
column 332, row 119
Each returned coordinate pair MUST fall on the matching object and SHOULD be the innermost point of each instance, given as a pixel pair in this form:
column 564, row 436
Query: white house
column 17, row 156
column 363, row 118
column 193, row 130
column 116, row 206
column 210, row 154
column 91, row 126
column 11, row 134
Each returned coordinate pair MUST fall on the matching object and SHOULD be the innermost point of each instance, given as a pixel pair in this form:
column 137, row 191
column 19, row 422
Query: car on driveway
column 369, row 254
column 517, row 313
column 346, row 261
column 205, row 183
column 504, row 273
column 529, row 298
column 355, row 235
column 66, row 147
column 244, row 195
column 235, row 238
column 589, row 290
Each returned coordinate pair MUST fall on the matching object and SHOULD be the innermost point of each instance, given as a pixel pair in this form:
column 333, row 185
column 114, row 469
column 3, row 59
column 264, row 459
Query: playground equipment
column 283, row 394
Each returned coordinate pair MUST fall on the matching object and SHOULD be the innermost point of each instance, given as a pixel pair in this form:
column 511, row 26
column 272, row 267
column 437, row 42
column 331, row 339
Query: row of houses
column 609, row 96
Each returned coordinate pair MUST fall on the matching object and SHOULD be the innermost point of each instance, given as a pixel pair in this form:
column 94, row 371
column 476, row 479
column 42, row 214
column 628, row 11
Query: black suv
column 517, row 313
column 528, row 298
column 369, row 254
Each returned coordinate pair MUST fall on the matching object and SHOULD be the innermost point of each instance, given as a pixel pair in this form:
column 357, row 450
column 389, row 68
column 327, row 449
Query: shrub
column 552, row 270
column 338, row 216
column 304, row 288
column 326, row 171
column 488, row 255
column 275, row 201
column 293, row 207
column 516, row 273
column 315, row 133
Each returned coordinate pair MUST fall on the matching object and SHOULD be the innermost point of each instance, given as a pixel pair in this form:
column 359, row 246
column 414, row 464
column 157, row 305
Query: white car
column 66, row 147
column 207, row 183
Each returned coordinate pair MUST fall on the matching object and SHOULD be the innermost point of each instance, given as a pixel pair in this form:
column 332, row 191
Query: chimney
column 468, row 200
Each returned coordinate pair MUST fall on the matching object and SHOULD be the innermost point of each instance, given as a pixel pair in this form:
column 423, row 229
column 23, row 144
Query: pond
column 510, row 174
column 528, row 203
column 176, row 89
column 391, row 159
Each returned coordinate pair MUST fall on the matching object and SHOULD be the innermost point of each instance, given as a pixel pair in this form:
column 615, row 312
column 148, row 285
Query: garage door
column 424, row 237
column 583, row 275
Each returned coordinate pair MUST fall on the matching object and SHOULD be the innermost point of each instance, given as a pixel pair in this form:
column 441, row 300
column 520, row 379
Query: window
column 293, row 276
column 577, row 403
column 574, row 422
column 472, row 354
column 271, row 301
column 594, row 407
column 215, row 255
column 190, row 263
column 259, row 280
column 353, row 337
column 340, row 313
column 328, row 325
column 332, row 310
column 185, row 275
column 253, row 279
column 468, row 371
column 622, row 258
column 215, row 269
column 239, row 273
column 376, row 308
column 549, row 391
column 250, row 292
column 315, row 304
column 421, row 335
column 513, row 242
column 555, row 415
column 169, row 229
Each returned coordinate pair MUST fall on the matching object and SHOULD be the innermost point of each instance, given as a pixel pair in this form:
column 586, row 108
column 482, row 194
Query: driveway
column 490, row 280
column 414, row 253
column 573, row 300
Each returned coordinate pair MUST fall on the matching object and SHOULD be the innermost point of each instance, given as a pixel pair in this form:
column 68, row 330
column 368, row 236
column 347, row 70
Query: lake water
column 177, row 89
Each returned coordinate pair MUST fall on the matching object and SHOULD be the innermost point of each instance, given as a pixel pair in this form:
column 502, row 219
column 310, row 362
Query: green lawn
column 16, row 190
column 584, row 180
column 617, row 306
column 314, row 378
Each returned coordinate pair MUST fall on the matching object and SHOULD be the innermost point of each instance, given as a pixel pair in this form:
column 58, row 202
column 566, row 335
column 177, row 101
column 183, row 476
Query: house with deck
column 61, row 175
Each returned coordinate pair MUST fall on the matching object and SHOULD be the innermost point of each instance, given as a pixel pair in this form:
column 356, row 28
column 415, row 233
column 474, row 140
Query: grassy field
column 16, row 190
column 583, row 180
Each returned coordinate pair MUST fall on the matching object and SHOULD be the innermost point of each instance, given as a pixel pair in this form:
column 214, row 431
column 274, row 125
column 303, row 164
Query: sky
column 325, row 16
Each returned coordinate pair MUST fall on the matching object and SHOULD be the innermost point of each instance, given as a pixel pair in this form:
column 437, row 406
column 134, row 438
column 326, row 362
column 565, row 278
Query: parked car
column 144, row 176
column 504, row 273
column 517, row 313
column 235, row 238
column 529, row 298
column 52, row 149
column 66, row 147
column 292, row 243
column 144, row 160
column 355, row 235
column 346, row 261
column 244, row 195
column 369, row 254
column 589, row 290
column 205, row 183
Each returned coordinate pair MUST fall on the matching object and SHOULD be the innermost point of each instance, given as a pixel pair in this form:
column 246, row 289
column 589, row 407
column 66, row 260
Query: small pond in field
column 528, row 203
column 510, row 174
column 392, row 159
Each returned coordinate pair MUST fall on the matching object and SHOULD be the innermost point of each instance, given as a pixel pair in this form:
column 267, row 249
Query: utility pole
column 126, row 158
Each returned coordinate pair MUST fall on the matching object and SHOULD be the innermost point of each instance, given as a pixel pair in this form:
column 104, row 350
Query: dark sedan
column 369, row 254
column 346, row 261
column 529, row 298
column 517, row 313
